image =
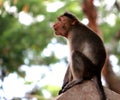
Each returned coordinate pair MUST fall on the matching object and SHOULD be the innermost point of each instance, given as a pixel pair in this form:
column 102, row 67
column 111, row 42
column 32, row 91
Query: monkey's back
column 89, row 43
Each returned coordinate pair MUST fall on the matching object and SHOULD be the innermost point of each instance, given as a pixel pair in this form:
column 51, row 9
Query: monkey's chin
column 56, row 33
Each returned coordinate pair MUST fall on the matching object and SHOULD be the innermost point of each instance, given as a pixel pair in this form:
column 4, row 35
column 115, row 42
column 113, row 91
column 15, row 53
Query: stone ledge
column 86, row 91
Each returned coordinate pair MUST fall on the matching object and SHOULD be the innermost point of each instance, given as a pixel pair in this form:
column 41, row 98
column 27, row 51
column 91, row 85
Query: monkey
column 87, row 52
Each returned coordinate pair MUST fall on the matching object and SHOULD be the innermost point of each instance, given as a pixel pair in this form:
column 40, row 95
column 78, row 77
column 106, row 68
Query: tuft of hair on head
column 72, row 17
column 69, row 15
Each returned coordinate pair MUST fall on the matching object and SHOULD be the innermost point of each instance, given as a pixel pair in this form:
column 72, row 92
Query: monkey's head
column 64, row 24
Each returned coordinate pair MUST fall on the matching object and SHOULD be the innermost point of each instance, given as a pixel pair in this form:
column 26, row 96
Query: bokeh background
column 33, row 60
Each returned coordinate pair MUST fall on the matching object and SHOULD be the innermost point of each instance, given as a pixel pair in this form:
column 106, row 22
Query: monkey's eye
column 59, row 19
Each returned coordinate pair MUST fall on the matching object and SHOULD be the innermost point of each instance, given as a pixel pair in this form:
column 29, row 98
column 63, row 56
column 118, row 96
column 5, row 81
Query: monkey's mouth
column 56, row 32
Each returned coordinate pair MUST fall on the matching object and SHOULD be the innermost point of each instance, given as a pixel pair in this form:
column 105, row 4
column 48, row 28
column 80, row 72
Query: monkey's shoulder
column 84, row 34
column 86, row 39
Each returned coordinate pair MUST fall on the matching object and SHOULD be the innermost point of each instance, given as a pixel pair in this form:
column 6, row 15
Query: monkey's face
column 62, row 26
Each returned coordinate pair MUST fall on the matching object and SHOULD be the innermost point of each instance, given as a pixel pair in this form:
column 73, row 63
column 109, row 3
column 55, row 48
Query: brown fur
column 87, row 52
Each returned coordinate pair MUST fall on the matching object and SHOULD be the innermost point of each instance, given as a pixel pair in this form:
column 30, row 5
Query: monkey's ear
column 74, row 22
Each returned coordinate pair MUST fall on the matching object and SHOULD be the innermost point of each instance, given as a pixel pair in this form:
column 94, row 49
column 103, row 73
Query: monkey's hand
column 64, row 85
column 70, row 85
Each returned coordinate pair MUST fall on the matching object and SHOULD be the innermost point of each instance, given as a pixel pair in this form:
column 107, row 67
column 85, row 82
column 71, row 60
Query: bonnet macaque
column 87, row 53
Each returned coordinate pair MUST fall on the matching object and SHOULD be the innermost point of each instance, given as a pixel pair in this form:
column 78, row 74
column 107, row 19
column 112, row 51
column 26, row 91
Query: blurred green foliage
column 19, row 41
column 52, row 89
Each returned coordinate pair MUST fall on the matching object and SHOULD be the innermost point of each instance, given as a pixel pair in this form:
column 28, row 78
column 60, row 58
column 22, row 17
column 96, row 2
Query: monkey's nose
column 54, row 26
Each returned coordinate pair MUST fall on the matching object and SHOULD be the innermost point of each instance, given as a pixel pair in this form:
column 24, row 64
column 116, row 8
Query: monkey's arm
column 68, row 77
column 80, row 69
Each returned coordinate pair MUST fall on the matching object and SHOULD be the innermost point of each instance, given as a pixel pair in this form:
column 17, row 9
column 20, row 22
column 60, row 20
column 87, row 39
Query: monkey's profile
column 87, row 52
